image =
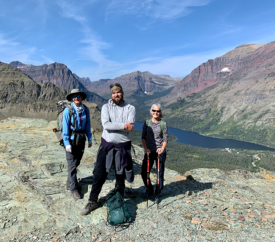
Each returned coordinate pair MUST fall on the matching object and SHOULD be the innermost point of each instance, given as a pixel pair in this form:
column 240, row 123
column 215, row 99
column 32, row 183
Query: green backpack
column 117, row 210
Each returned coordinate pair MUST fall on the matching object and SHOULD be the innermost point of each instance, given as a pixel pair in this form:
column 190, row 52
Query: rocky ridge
column 58, row 74
column 201, row 205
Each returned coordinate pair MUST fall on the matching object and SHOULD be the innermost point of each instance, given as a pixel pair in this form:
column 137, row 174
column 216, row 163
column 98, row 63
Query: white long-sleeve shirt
column 113, row 118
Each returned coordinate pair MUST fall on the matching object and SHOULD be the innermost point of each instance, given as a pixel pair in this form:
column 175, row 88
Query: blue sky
column 109, row 38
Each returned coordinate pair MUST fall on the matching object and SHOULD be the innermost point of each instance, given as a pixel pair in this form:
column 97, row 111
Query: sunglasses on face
column 115, row 84
column 156, row 111
column 76, row 96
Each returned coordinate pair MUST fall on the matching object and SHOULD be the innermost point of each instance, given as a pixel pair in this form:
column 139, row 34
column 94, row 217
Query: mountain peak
column 17, row 64
column 242, row 50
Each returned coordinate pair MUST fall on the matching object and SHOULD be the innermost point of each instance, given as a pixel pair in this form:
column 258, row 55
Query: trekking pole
column 148, row 177
column 157, row 200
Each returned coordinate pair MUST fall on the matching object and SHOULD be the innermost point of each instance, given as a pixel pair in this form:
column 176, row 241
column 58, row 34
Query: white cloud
column 155, row 9
column 175, row 66
column 47, row 59
column 94, row 46
column 10, row 50
column 70, row 10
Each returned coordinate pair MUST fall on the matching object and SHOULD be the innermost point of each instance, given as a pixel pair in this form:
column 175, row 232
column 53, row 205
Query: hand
column 69, row 148
column 159, row 150
column 90, row 144
column 147, row 151
column 129, row 126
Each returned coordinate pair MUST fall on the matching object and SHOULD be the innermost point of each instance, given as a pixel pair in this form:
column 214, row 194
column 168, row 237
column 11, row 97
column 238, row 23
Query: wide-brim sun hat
column 74, row 92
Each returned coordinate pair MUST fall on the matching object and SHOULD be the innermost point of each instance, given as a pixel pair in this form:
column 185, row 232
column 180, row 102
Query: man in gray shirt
column 117, row 119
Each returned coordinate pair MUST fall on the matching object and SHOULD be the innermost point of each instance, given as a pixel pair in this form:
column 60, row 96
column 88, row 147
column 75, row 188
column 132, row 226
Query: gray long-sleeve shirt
column 153, row 134
column 113, row 118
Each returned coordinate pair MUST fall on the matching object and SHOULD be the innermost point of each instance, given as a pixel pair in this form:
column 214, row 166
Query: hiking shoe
column 89, row 208
column 157, row 197
column 75, row 195
column 160, row 193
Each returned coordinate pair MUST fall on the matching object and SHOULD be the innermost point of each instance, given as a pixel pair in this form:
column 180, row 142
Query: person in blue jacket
column 75, row 130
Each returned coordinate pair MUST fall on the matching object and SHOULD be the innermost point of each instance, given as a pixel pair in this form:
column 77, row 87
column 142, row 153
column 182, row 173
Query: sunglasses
column 76, row 96
column 156, row 111
column 115, row 84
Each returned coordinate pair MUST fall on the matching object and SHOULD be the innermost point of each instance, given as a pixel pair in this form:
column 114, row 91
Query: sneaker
column 75, row 195
column 89, row 208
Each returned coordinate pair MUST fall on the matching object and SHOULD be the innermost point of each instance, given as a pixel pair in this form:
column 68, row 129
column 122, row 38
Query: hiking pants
column 153, row 157
column 100, row 176
column 73, row 160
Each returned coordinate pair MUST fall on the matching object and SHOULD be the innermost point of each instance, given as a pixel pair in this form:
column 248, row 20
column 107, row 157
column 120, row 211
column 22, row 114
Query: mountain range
column 213, row 71
column 231, row 96
column 60, row 75
column 135, row 84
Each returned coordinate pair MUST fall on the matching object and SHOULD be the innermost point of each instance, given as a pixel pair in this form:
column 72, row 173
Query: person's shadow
column 172, row 192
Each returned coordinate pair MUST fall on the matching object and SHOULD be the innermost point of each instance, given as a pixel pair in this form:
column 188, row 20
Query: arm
column 105, row 120
column 132, row 115
column 88, row 125
column 66, row 127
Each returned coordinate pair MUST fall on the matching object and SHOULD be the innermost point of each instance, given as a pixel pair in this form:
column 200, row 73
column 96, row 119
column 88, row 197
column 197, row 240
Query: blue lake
column 195, row 139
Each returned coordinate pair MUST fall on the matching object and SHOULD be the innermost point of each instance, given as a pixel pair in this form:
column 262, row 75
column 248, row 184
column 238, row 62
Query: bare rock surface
column 201, row 205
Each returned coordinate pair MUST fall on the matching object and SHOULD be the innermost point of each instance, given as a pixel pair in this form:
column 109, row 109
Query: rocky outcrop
column 214, row 71
column 23, row 97
column 58, row 74
column 135, row 83
column 201, row 205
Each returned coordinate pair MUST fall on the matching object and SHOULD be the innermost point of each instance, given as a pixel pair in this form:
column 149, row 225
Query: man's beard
column 119, row 101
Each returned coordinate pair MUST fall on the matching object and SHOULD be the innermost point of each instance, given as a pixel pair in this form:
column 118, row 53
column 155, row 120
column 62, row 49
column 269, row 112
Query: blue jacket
column 66, row 122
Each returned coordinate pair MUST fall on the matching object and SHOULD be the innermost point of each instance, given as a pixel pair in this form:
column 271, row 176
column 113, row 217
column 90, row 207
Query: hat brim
column 83, row 94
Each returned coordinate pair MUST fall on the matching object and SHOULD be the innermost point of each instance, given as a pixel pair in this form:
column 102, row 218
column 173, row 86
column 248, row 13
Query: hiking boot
column 89, row 208
column 157, row 197
column 160, row 193
column 75, row 195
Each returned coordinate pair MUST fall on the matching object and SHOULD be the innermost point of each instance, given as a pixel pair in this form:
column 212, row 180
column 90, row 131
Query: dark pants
column 153, row 157
column 100, row 176
column 73, row 160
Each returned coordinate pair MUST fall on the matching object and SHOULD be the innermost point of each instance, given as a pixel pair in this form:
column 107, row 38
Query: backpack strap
column 86, row 111
column 162, row 122
column 71, row 113
column 148, row 121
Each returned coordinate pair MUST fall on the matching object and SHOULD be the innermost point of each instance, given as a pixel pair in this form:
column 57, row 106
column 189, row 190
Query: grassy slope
column 206, row 120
